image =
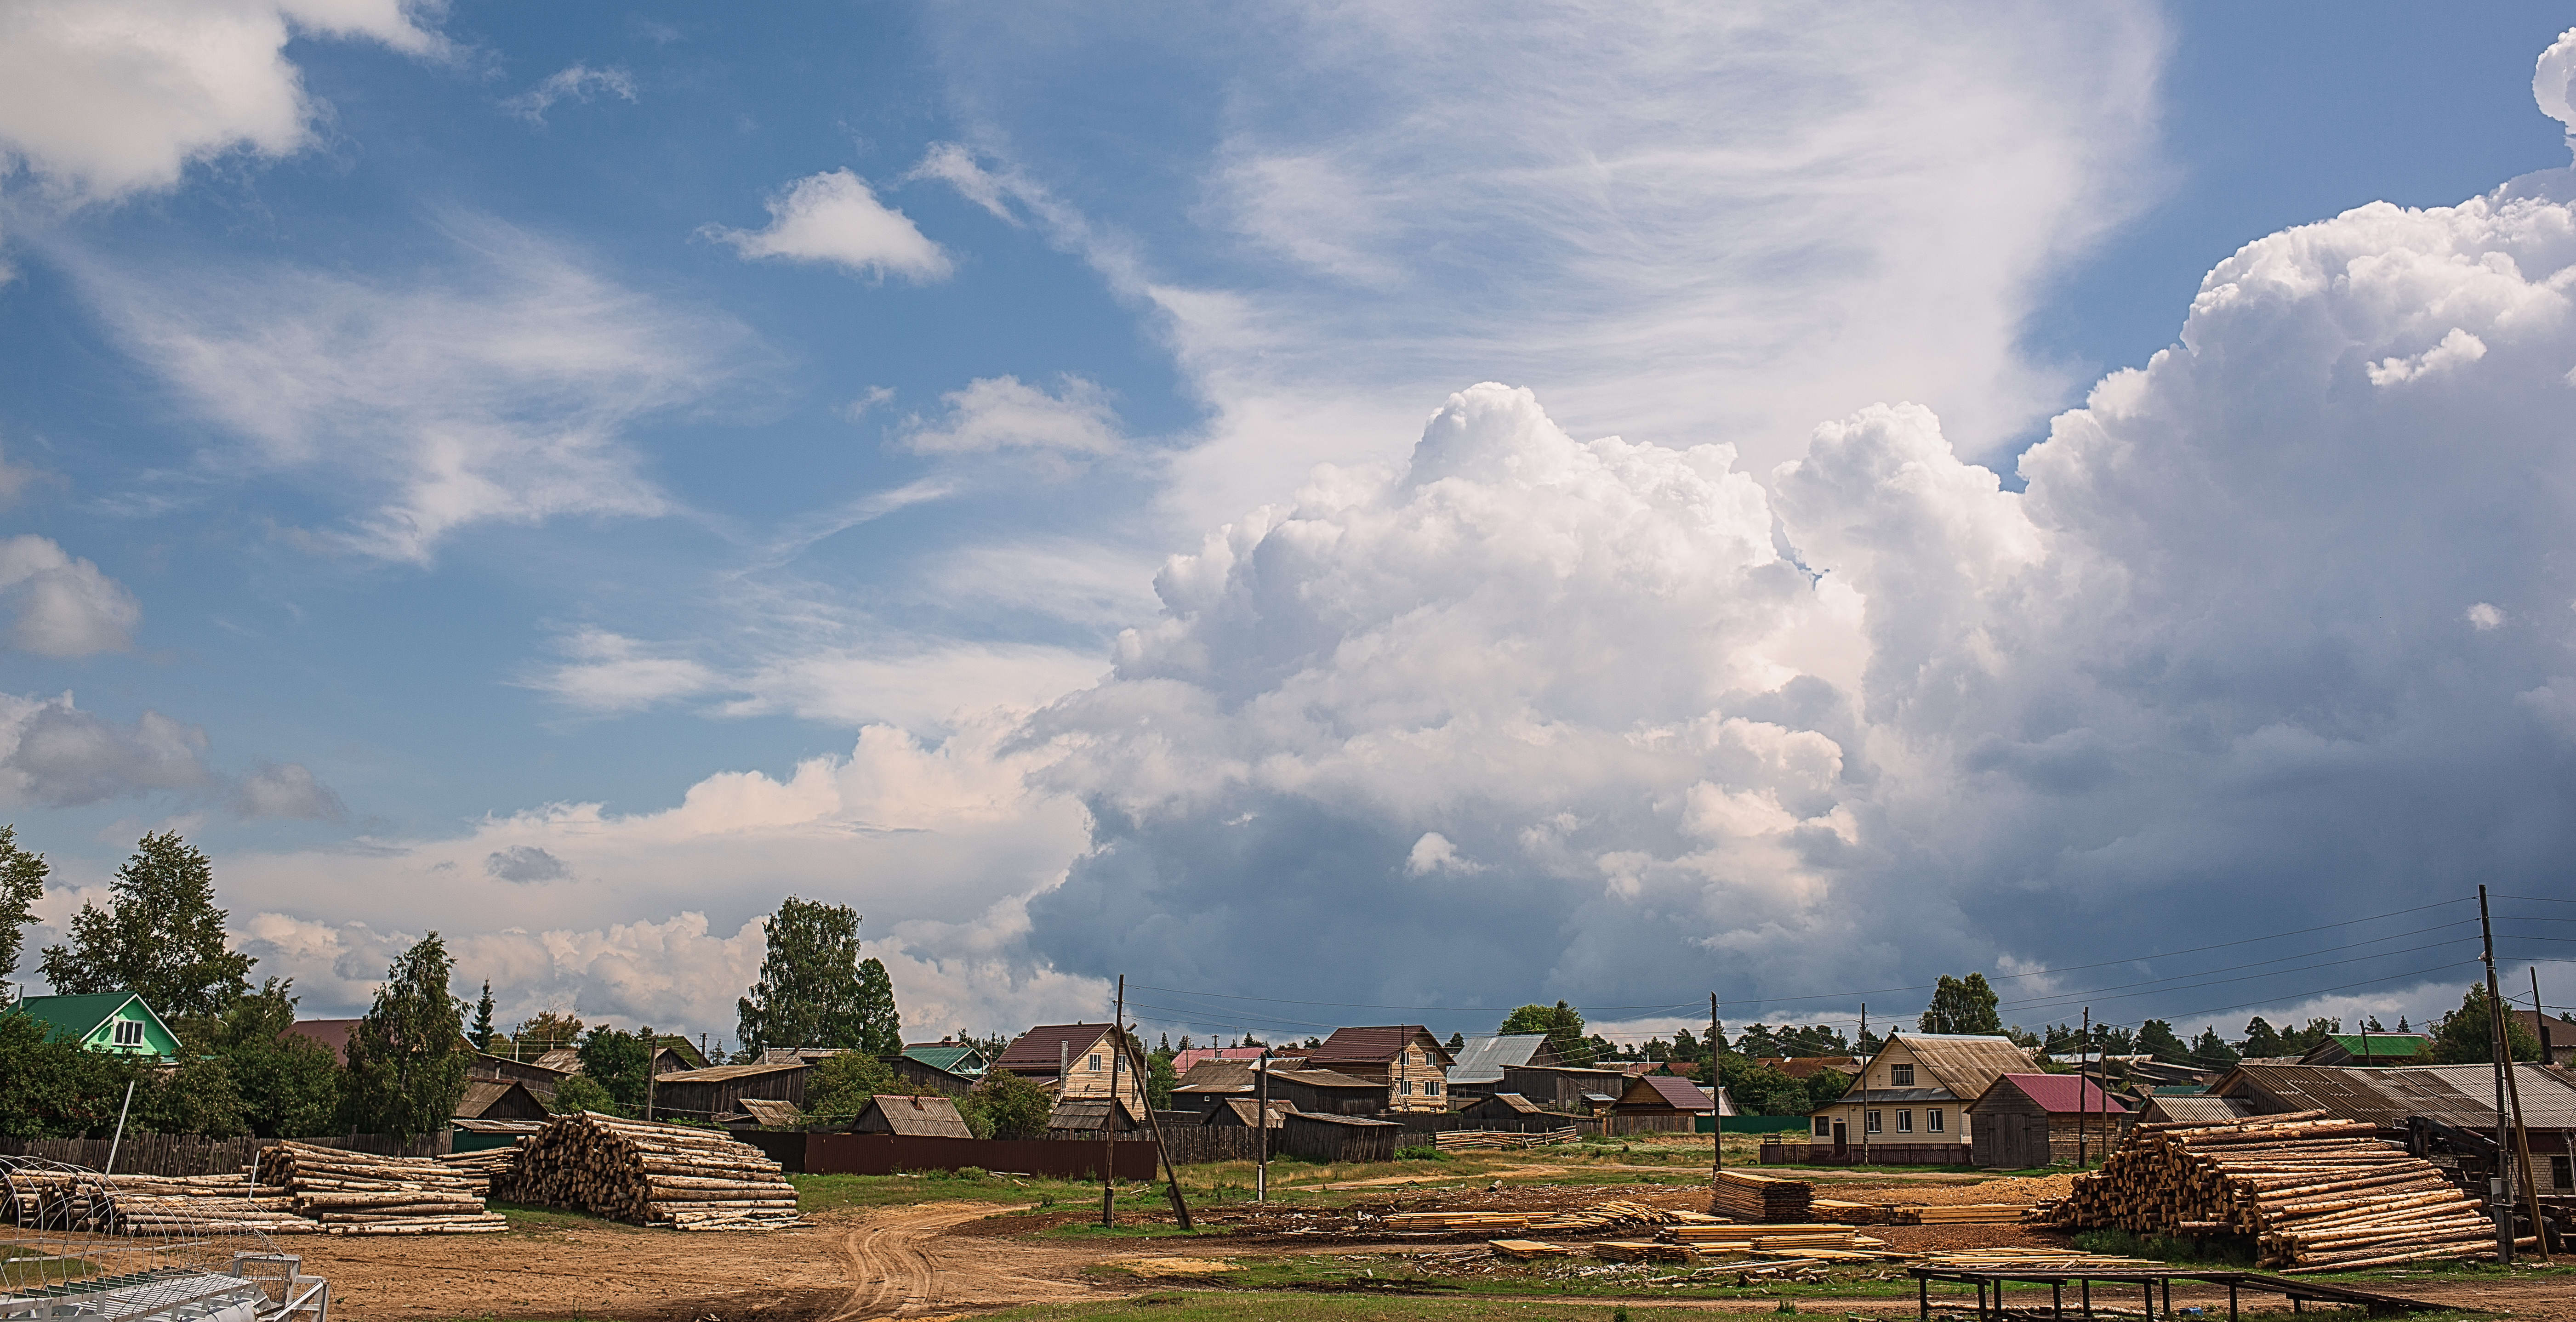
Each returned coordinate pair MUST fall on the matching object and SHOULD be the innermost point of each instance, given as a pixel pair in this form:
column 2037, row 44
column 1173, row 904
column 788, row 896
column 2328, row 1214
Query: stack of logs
column 2315, row 1194
column 481, row 1168
column 1746, row 1196
column 359, row 1193
column 187, row 1204
column 649, row 1174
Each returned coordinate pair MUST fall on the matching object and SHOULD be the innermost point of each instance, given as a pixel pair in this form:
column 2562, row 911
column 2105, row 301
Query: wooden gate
column 2004, row 1141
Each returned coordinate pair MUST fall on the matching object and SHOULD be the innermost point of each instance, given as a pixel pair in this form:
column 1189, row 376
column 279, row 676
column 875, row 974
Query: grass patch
column 2211, row 1251
column 531, row 1217
column 1149, row 1230
column 823, row 1193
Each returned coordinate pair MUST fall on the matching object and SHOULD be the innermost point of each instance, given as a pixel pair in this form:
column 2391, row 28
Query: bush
column 842, row 1086
column 1004, row 1105
column 1420, row 1152
column 579, row 1093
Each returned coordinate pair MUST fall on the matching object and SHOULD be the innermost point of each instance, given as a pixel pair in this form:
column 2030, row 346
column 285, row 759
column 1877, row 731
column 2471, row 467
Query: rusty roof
column 1966, row 1064
column 2060, row 1094
column 2462, row 1095
column 1038, row 1048
column 915, row 1117
column 1369, row 1046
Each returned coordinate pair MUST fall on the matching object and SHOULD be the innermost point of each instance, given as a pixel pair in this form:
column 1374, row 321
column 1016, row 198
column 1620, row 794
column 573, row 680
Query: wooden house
column 911, row 1117
column 918, row 1073
column 1405, row 1058
column 490, row 1099
column 2371, row 1049
column 109, row 1023
column 501, row 1069
column 709, row 1093
column 1185, row 1061
column 2025, row 1120
column 949, row 1056
column 1502, row 1106
column 2556, row 1034
column 1916, row 1088
column 1656, row 1102
column 1243, row 1113
column 1338, row 1138
column 1085, row 1117
column 1327, row 1092
column 1077, row 1060
column 1478, row 1068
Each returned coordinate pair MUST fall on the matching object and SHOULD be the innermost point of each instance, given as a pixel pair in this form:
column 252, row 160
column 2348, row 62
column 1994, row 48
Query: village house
column 2556, row 1034
column 1074, row 1060
column 911, row 1117
column 2371, row 1049
column 1211, row 1083
column 501, row 1069
column 499, row 1099
column 2026, row 1120
column 1478, row 1068
column 110, row 1023
column 1241, row 1113
column 1406, row 1059
column 2454, row 1103
column 1916, row 1089
column 1659, row 1102
column 712, row 1093
column 949, row 1056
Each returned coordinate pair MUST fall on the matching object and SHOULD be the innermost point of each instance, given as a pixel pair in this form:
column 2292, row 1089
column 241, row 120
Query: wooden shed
column 912, row 1117
column 1084, row 1117
column 707, row 1094
column 1326, row 1092
column 490, row 1099
column 1240, row 1113
column 2026, row 1120
column 1659, row 1102
column 1338, row 1138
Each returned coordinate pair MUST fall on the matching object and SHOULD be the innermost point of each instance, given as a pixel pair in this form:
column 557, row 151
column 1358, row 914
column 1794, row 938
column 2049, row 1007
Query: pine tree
column 22, row 883
column 483, row 1032
column 2261, row 1039
column 2157, row 1036
column 161, row 936
column 1457, row 1041
column 406, row 1068
column 880, row 1026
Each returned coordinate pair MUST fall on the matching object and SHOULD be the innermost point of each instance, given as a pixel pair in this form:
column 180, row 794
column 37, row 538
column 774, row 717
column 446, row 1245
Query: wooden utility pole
column 2500, row 1185
column 2083, row 1050
column 1717, row 1099
column 1261, row 1145
column 1153, row 1122
column 2521, row 1134
column 1864, row 1088
column 1109, row 1114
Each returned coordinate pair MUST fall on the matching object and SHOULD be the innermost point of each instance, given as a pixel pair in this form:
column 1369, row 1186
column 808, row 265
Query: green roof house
column 950, row 1056
column 114, row 1023
column 2371, row 1049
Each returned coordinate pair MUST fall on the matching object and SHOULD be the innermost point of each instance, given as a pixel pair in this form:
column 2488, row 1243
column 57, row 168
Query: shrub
column 1420, row 1152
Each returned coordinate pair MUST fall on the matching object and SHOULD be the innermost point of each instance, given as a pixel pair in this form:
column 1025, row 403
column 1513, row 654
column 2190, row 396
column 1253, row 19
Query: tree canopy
column 1962, row 1005
column 407, row 1061
column 880, row 1025
column 22, row 883
column 1563, row 1025
column 840, row 1087
column 1004, row 1105
column 161, row 936
column 2465, row 1036
column 812, row 992
column 621, row 1063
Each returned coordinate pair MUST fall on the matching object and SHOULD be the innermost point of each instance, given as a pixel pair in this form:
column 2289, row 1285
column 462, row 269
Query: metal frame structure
column 1990, row 1290
column 73, row 1248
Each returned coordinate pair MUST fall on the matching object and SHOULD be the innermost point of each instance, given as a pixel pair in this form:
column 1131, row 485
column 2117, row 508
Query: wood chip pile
column 1750, row 1197
column 2315, row 1194
column 649, row 1174
column 359, row 1193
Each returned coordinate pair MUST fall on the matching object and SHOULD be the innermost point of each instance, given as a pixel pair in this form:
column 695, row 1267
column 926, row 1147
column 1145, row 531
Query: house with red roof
column 1654, row 1102
column 2026, row 1120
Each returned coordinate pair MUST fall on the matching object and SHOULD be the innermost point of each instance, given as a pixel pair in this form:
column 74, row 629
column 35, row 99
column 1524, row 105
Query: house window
column 1405, row 1087
column 1932, row 1122
column 1430, row 1087
column 129, row 1033
column 1871, row 1122
column 1904, row 1120
column 2562, row 1172
column 1824, row 1126
column 1900, row 1076
column 1095, row 1062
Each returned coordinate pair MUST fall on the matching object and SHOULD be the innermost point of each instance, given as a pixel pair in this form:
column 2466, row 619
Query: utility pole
column 2499, row 1185
column 1261, row 1146
column 1717, row 1098
column 1154, row 1124
column 2522, row 1133
column 1109, row 1113
column 2083, row 1052
column 1864, row 1087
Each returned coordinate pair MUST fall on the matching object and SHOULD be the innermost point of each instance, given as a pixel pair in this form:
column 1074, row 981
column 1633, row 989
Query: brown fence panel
column 884, row 1154
column 1880, row 1154
column 1647, row 1124
column 1194, row 1144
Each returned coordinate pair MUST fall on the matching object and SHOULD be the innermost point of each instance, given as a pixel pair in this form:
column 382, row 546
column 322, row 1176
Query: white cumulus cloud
column 62, row 606
column 101, row 98
column 835, row 217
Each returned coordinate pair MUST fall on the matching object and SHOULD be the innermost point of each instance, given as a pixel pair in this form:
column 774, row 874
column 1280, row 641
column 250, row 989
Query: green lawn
column 528, row 1217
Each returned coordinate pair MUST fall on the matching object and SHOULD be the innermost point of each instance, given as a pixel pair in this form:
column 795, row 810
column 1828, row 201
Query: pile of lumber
column 650, row 1174
column 1638, row 1250
column 1750, row 1197
column 1855, row 1214
column 1809, row 1241
column 2038, row 1259
column 1525, row 1250
column 1960, row 1214
column 1476, row 1221
column 184, row 1204
column 360, row 1193
column 1470, row 1140
column 2315, row 1194
column 480, row 1169
column 1612, row 1214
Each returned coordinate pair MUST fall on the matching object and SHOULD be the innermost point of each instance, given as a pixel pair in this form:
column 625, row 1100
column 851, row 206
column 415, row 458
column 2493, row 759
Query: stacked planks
column 1599, row 1216
column 1804, row 1240
column 650, row 1174
column 1961, row 1214
column 2315, row 1194
column 1750, row 1197
column 1855, row 1214
column 359, row 1193
column 181, row 1204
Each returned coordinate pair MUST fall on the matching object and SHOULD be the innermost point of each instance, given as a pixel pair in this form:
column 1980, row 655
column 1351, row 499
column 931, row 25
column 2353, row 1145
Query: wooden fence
column 1879, row 1154
column 187, row 1154
column 884, row 1154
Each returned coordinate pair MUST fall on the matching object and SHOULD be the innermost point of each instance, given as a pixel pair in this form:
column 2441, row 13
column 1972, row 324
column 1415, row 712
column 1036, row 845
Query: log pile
column 1960, row 1214
column 182, row 1204
column 481, row 1168
column 360, row 1193
column 2314, row 1194
column 650, row 1174
column 1750, row 1197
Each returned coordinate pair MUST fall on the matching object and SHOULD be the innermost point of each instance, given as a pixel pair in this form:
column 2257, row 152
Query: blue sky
column 567, row 477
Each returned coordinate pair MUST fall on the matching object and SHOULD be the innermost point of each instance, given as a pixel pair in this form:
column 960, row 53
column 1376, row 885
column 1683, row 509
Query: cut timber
column 1619, row 1250
column 1527, row 1249
column 649, row 1174
column 360, row 1192
column 1750, row 1197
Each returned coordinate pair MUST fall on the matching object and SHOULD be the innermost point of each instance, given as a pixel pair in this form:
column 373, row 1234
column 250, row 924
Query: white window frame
column 1430, row 1087
column 1932, row 1121
column 1871, row 1122
column 1405, row 1088
column 1900, row 1076
column 128, row 1033
column 1905, row 1120
column 1094, row 1067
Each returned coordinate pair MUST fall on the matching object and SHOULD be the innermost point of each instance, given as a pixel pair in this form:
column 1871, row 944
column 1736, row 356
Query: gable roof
column 76, row 1017
column 2201, row 1110
column 948, row 1056
column 1966, row 1064
column 2060, row 1094
column 1374, row 1045
column 1665, row 1090
column 332, row 1033
column 562, row 1060
column 1246, row 1111
column 1326, row 1079
column 913, row 1117
column 2338, row 1048
column 1484, row 1058
column 770, row 1111
column 2461, row 1095
column 483, row 1096
column 1185, row 1061
column 1220, row 1075
column 1090, row 1113
column 1510, row 1102
column 1036, row 1049
column 720, row 1073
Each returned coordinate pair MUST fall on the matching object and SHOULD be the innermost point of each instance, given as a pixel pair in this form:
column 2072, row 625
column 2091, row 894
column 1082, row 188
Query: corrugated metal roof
column 2064, row 1094
column 720, row 1073
column 1484, row 1058
column 2201, row 1109
column 769, row 1111
column 948, row 1056
column 1966, row 1064
column 2462, row 1095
